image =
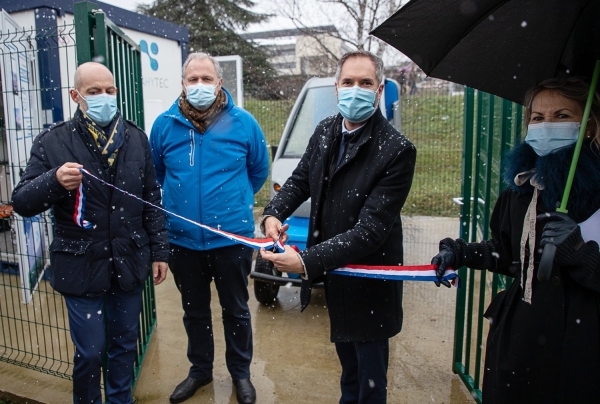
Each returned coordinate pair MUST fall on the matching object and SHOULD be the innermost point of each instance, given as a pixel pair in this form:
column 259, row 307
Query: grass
column 272, row 116
column 432, row 122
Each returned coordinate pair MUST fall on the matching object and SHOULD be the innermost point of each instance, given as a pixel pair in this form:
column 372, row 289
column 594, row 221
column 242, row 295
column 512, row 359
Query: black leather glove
column 444, row 260
column 558, row 228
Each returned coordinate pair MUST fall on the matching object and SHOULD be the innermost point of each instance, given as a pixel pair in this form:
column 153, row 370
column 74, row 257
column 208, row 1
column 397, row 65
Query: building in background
column 302, row 51
column 164, row 47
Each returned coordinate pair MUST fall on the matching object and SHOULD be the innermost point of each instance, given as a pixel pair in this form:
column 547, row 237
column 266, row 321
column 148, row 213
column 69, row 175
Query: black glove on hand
column 559, row 227
column 444, row 260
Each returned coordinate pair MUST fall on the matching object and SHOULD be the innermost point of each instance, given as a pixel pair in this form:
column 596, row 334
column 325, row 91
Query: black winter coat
column 547, row 351
column 127, row 235
column 355, row 219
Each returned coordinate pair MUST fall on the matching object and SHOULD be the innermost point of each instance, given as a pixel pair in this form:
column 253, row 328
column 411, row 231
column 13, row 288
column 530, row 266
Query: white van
column 315, row 102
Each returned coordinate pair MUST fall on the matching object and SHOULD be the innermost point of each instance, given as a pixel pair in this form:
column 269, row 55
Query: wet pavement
column 294, row 362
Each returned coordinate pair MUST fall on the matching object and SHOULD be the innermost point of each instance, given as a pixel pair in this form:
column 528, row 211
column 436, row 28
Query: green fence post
column 101, row 40
column 84, row 32
column 465, row 215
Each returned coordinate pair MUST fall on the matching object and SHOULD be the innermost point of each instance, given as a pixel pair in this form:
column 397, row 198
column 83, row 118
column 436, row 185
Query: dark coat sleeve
column 296, row 189
column 494, row 254
column 582, row 260
column 38, row 188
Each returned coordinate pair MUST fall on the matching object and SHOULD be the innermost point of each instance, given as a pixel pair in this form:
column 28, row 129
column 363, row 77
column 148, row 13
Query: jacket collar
column 174, row 113
column 364, row 132
column 552, row 172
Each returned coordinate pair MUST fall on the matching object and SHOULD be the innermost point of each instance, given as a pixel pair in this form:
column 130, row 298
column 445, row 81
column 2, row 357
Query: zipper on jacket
column 192, row 155
column 192, row 147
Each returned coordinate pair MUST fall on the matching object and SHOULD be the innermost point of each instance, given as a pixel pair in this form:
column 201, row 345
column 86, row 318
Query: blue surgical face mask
column 356, row 104
column 547, row 137
column 102, row 108
column 201, row 96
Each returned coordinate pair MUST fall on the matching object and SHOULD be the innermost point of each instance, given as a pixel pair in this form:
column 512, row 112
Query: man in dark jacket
column 104, row 241
column 357, row 170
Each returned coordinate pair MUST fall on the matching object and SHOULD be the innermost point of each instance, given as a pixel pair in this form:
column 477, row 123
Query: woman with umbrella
column 544, row 338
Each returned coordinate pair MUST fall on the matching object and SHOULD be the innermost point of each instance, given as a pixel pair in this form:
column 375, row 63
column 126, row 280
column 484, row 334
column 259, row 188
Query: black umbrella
column 503, row 47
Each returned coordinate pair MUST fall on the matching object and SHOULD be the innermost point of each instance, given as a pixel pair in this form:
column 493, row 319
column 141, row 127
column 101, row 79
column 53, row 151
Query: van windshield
column 318, row 104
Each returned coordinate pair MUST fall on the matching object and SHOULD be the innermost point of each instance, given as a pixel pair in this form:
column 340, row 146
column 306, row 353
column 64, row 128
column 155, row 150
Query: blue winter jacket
column 210, row 178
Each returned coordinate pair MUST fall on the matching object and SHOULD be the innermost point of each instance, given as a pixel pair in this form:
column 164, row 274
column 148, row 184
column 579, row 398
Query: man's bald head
column 91, row 70
column 92, row 78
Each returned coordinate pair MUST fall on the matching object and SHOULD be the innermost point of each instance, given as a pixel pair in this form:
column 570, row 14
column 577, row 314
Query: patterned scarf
column 109, row 139
column 202, row 119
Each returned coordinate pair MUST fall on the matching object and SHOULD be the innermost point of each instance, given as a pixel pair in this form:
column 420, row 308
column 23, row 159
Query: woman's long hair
column 574, row 89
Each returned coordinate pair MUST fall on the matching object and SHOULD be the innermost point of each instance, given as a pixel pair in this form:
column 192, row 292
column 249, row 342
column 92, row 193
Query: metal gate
column 492, row 126
column 33, row 318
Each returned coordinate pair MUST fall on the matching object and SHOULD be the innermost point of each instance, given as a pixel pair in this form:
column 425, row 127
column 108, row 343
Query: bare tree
column 354, row 19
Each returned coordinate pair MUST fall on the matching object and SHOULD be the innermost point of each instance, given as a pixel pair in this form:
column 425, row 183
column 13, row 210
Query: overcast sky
column 262, row 6
column 311, row 13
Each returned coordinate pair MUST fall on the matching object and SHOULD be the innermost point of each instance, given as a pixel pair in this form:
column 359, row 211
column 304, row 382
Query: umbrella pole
column 582, row 129
column 547, row 259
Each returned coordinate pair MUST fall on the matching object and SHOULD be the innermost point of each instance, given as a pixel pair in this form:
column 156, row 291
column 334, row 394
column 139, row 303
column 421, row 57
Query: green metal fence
column 491, row 127
column 38, row 64
column 34, row 331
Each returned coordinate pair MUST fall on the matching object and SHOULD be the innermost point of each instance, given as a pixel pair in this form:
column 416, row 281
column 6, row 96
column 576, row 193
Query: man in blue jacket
column 210, row 158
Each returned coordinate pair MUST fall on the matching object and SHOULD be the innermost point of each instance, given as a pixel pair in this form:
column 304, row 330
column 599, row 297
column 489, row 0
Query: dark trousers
column 112, row 317
column 193, row 272
column 364, row 371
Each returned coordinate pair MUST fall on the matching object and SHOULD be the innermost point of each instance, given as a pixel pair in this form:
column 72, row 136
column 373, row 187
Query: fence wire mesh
column 33, row 318
column 432, row 118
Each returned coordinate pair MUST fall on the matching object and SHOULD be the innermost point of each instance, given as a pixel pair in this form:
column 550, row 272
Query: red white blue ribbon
column 398, row 273
column 256, row 243
column 80, row 208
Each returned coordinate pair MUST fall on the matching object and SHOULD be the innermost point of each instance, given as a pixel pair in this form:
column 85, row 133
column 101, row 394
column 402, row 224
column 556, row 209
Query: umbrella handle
column 546, row 262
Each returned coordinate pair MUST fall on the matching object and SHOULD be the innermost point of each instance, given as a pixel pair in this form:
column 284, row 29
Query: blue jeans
column 112, row 317
column 364, row 371
column 193, row 272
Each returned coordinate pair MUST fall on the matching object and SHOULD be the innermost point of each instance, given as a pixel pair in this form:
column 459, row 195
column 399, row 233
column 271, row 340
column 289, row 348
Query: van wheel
column 265, row 292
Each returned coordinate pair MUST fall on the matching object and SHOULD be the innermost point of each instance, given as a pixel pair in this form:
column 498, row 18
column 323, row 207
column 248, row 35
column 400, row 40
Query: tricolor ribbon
column 256, row 243
column 395, row 272
column 80, row 208
column 399, row 273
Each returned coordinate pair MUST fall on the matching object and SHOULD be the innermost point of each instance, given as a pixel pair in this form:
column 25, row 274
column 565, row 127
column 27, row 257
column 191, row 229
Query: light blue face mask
column 201, row 96
column 102, row 108
column 547, row 137
column 356, row 104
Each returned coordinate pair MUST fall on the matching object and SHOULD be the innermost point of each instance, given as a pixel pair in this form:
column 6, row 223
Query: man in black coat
column 104, row 241
column 357, row 170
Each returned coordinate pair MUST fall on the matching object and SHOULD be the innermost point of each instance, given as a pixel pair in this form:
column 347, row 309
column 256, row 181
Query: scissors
column 275, row 241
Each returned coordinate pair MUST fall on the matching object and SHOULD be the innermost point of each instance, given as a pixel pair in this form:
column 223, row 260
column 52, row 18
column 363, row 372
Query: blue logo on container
column 153, row 49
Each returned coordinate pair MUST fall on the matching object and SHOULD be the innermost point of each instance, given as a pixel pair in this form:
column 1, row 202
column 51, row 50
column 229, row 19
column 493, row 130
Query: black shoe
column 187, row 388
column 244, row 391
